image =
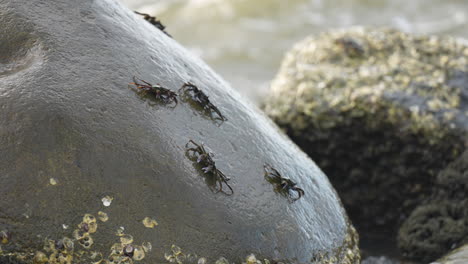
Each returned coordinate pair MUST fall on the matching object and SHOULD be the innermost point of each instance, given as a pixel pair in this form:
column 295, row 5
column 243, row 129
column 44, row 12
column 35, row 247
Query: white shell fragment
column 107, row 200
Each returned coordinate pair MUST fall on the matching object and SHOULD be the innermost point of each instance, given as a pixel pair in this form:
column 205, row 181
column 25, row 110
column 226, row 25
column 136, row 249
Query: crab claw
column 207, row 169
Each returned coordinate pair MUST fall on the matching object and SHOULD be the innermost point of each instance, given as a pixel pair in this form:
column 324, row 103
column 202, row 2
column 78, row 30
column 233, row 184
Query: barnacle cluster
column 60, row 251
column 65, row 251
column 83, row 233
column 347, row 253
column 250, row 259
column 177, row 256
column 126, row 251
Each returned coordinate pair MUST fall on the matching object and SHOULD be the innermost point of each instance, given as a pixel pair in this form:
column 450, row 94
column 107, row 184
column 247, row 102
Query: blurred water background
column 245, row 40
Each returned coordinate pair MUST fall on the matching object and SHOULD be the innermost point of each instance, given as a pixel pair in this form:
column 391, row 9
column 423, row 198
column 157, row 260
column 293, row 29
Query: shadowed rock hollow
column 84, row 159
column 440, row 223
column 381, row 112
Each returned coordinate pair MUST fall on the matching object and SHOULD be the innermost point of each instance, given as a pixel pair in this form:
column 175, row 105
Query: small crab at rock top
column 153, row 21
column 282, row 185
column 194, row 94
column 159, row 93
column 198, row 153
column 351, row 47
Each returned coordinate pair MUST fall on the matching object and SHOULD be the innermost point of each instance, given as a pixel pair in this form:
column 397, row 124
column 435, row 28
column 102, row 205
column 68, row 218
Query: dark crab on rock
column 161, row 94
column 284, row 186
column 154, row 21
column 191, row 92
column 198, row 153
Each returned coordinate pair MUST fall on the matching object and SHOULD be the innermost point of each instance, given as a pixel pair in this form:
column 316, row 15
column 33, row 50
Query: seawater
column 245, row 40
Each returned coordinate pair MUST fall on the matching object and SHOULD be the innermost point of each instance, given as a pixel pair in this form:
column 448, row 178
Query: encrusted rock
column 67, row 113
column 380, row 111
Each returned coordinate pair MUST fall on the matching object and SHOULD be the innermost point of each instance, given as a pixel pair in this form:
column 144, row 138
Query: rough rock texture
column 380, row 111
column 441, row 223
column 74, row 140
column 457, row 256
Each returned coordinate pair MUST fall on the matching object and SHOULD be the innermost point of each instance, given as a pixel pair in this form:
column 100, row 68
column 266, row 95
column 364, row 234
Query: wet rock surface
column 457, row 256
column 381, row 112
column 91, row 171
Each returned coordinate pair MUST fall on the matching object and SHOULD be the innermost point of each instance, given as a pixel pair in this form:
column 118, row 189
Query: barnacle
column 149, row 222
column 86, row 241
column 126, row 239
column 107, row 200
column 176, row 257
column 147, row 247
column 103, row 217
column 117, row 249
column 89, row 223
column 53, row 181
column 40, row 258
column 120, row 231
column 222, row 260
column 138, row 253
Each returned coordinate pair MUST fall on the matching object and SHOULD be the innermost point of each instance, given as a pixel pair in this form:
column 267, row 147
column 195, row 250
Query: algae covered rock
column 440, row 223
column 380, row 111
column 92, row 171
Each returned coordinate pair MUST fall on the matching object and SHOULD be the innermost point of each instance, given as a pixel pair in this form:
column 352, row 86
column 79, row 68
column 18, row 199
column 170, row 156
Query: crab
column 198, row 153
column 282, row 185
column 351, row 47
column 153, row 21
column 195, row 95
column 160, row 93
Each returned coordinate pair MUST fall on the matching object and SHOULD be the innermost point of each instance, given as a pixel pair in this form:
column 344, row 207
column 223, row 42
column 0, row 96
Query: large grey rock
column 72, row 133
column 380, row 111
column 457, row 256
